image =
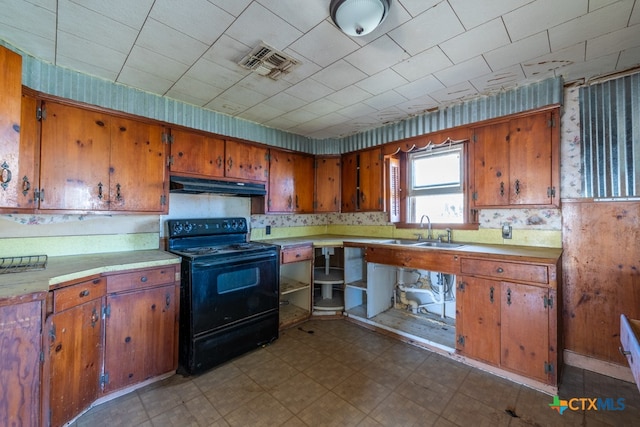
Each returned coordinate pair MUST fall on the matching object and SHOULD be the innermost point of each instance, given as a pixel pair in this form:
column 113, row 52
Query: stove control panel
column 206, row 226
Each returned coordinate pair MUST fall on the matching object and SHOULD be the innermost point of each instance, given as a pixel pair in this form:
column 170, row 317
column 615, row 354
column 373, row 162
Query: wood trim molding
column 598, row 366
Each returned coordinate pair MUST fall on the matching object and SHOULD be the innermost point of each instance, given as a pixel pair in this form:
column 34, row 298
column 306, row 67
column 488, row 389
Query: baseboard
column 609, row 369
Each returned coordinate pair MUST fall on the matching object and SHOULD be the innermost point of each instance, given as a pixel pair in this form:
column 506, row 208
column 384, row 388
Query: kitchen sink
column 438, row 244
column 406, row 242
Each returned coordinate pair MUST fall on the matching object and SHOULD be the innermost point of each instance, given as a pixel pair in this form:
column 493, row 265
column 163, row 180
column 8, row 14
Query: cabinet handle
column 143, row 279
column 289, row 202
column 26, row 185
column 5, row 175
column 297, row 205
column 100, row 190
column 491, row 294
column 623, row 351
column 508, row 296
column 167, row 301
column 362, row 196
column 118, row 192
column 501, row 189
column 230, row 163
column 219, row 161
column 84, row 293
column 517, row 186
column 499, row 270
column 94, row 317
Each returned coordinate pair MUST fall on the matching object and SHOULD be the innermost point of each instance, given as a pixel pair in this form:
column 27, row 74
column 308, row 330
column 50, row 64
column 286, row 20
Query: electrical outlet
column 267, row 230
column 506, row 231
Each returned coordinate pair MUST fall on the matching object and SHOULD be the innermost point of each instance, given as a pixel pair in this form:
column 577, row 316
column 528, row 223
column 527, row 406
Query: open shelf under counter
column 288, row 285
column 358, row 284
column 291, row 314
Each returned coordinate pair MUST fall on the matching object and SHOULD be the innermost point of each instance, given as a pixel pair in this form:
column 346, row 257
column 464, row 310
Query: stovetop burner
column 200, row 251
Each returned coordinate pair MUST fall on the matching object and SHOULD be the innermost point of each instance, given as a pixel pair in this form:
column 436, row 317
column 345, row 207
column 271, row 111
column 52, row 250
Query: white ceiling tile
column 166, row 41
column 381, row 82
column 596, row 67
column 629, row 58
column 299, row 115
column 613, row 42
column 89, row 68
column 534, row 17
column 455, row 93
column 420, row 87
column 324, row 44
column 635, row 15
column 522, row 50
column 284, row 102
column 376, row 56
column 77, row 52
column 542, row 65
column 483, row 38
column 303, row 17
column 321, row 107
column 258, row 23
column 349, row 95
column 427, row 29
column 473, row 12
column 500, row 80
column 235, row 7
column 309, row 90
column 474, row 67
column 591, row 25
column 29, row 43
column 214, row 74
column 339, row 75
column 385, row 100
column 160, row 65
column 418, row 105
column 280, row 123
column 225, row 106
column 127, row 12
column 305, row 68
column 143, row 80
column 263, row 85
column 207, row 25
column 242, row 96
column 92, row 26
column 357, row 110
column 196, row 91
column 416, row 7
column 597, row 4
column 227, row 52
column 28, row 18
column 422, row 64
column 260, row 113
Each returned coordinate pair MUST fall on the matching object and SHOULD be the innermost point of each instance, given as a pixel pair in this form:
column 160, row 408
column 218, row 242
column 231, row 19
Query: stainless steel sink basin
column 405, row 242
column 439, row 244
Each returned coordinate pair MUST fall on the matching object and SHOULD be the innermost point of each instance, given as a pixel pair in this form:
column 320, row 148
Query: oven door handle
column 234, row 260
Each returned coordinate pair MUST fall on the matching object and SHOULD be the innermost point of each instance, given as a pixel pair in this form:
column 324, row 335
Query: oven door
column 229, row 289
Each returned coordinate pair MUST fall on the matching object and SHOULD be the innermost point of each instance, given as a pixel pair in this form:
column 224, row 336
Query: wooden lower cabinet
column 73, row 359
column 140, row 338
column 20, row 349
column 295, row 284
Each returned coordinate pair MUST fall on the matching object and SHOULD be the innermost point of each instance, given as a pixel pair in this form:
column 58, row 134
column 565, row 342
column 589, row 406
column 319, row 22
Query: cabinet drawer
column 141, row 279
column 505, row 270
column 71, row 296
column 295, row 254
column 629, row 338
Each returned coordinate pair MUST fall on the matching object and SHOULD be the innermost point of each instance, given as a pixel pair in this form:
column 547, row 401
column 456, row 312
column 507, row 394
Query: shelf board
column 288, row 285
column 359, row 311
column 335, row 276
column 290, row 314
column 358, row 284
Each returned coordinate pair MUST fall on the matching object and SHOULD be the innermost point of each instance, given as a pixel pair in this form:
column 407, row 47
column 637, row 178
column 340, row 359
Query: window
column 436, row 185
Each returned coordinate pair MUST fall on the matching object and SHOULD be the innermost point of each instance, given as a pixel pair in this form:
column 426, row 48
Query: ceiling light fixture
column 358, row 17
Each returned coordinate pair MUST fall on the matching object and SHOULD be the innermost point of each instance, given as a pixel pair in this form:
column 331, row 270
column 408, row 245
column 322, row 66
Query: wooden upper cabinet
column 92, row 161
column 362, row 187
column 74, row 158
column 196, row 154
column 516, row 162
column 327, row 183
column 138, row 167
column 290, row 182
column 10, row 112
column 246, row 161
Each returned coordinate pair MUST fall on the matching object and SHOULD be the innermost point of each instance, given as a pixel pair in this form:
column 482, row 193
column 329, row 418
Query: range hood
column 181, row 184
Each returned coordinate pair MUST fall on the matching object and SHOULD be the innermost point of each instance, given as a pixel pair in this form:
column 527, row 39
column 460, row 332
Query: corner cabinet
column 507, row 314
column 327, row 184
column 295, row 283
column 290, row 186
column 93, row 161
column 516, row 162
column 362, row 186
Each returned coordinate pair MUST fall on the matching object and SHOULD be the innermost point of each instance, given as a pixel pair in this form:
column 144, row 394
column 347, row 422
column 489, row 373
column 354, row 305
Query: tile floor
column 345, row 375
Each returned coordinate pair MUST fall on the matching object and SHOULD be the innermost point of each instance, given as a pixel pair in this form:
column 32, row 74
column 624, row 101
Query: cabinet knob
column 500, row 270
column 143, row 279
column 84, row 293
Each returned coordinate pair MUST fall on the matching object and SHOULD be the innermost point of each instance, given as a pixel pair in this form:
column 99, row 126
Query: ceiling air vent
column 268, row 62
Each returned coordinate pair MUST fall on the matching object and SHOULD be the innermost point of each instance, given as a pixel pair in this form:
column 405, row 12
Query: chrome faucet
column 429, row 232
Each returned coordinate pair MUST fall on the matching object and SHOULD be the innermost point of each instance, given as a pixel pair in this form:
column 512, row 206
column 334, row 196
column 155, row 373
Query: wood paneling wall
column 601, row 269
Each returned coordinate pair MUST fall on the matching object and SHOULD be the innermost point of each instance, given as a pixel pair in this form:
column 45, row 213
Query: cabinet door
column 138, row 167
column 20, row 345
column 371, row 187
column 525, row 329
column 478, row 318
column 75, row 360
column 246, row 161
column 349, row 182
column 10, row 161
column 303, row 182
column 327, row 184
column 197, row 155
column 530, row 151
column 281, row 185
column 490, row 186
column 74, row 159
column 140, row 335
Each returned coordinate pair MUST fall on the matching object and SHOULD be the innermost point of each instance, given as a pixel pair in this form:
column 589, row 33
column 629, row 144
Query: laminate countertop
column 65, row 268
